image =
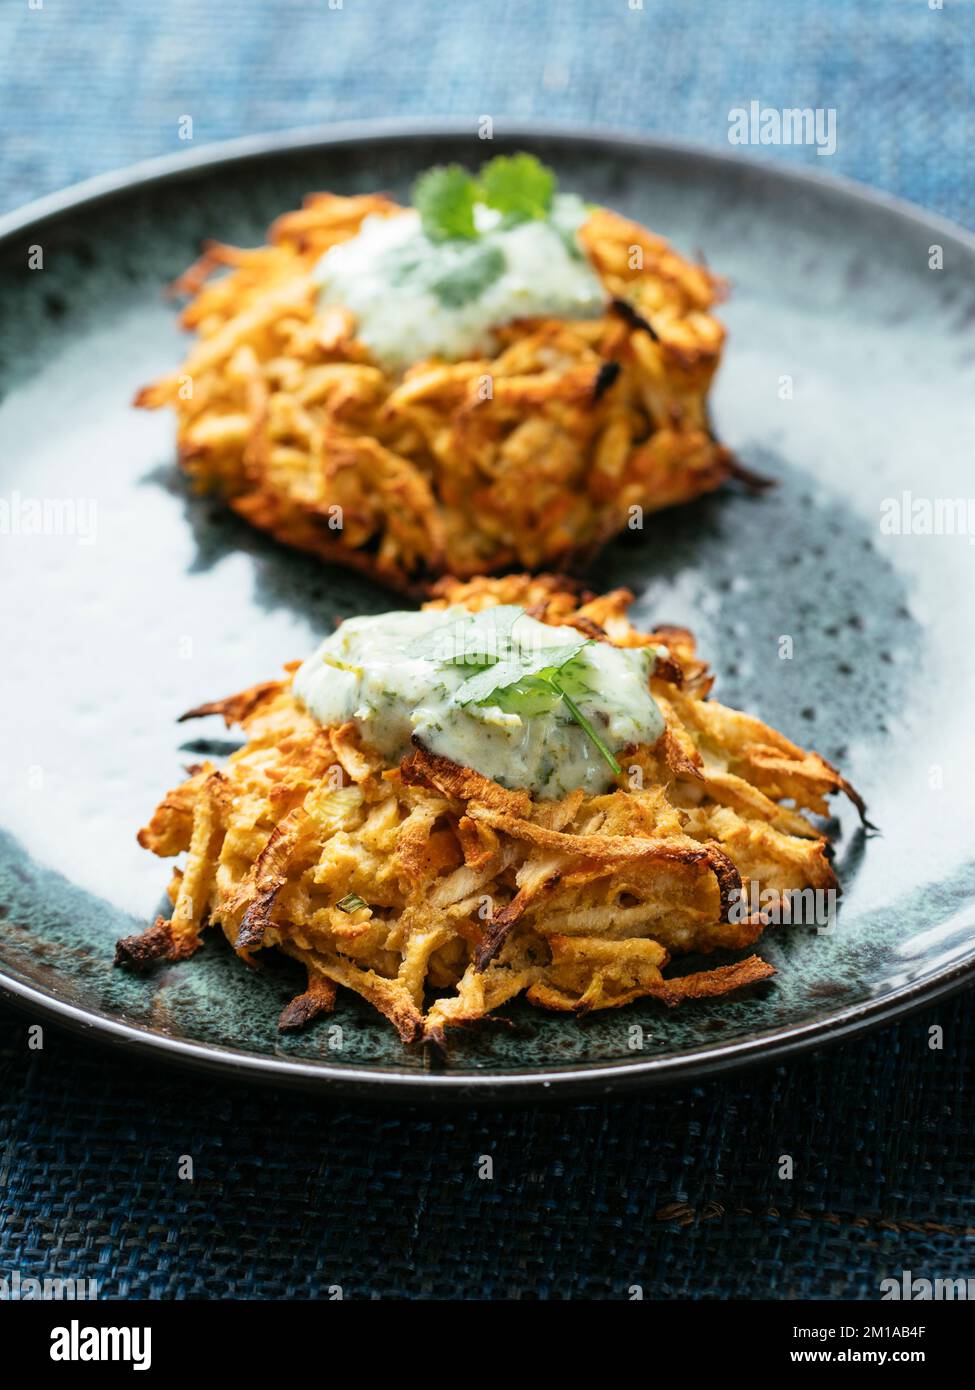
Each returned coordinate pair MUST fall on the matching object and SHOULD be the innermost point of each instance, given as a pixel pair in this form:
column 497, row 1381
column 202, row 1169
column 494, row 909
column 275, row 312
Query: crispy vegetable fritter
column 533, row 457
column 438, row 895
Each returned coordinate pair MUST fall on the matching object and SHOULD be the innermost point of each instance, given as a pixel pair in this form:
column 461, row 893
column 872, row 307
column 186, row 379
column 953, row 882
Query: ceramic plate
column 849, row 377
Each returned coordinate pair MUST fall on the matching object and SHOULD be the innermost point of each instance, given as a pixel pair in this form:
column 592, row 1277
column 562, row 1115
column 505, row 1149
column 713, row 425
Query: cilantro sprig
column 518, row 186
column 504, row 673
column 445, row 197
column 585, row 725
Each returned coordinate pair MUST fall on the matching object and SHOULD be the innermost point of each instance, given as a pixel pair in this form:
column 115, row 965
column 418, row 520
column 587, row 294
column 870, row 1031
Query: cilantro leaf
column 519, row 186
column 445, row 197
column 476, row 639
column 517, row 668
column 525, row 680
column 517, row 683
column 470, row 276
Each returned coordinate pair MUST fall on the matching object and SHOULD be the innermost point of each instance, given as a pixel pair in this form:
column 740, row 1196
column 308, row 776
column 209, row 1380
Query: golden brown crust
column 318, row 999
column 533, row 457
column 437, row 895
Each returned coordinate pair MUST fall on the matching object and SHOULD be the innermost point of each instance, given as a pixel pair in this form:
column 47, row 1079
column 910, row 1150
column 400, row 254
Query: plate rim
column 303, row 139
column 574, row 1079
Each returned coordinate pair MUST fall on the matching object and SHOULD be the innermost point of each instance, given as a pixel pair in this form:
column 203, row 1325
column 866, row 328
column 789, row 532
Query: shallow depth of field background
column 87, row 88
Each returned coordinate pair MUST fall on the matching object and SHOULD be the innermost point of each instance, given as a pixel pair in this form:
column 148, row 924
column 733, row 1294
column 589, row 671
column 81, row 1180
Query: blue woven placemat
column 92, row 87
column 679, row 1193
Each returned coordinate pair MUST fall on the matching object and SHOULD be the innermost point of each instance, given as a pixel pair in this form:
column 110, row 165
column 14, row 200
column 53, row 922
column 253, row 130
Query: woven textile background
column 678, row 1192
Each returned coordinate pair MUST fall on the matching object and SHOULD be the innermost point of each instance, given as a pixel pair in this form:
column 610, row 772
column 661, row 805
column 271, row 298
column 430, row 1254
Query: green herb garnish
column 518, row 186
column 494, row 686
column 351, row 903
column 585, row 725
column 445, row 197
column 520, row 681
column 516, row 670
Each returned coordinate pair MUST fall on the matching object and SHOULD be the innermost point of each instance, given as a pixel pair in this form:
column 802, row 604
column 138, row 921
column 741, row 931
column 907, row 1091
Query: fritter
column 438, row 895
column 531, row 456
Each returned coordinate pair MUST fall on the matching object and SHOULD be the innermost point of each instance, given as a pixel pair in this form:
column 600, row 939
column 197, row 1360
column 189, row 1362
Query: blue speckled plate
column 850, row 376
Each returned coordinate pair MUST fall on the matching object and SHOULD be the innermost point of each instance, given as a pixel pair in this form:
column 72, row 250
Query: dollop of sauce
column 415, row 298
column 387, row 674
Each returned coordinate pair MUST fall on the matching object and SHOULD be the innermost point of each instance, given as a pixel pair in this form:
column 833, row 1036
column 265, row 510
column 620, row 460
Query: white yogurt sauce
column 415, row 298
column 368, row 671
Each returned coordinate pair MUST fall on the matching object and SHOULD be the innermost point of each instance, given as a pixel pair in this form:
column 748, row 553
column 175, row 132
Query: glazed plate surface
column 849, row 377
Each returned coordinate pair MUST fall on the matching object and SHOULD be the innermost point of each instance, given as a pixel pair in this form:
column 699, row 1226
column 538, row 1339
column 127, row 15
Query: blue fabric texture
column 680, row 1192
column 86, row 88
